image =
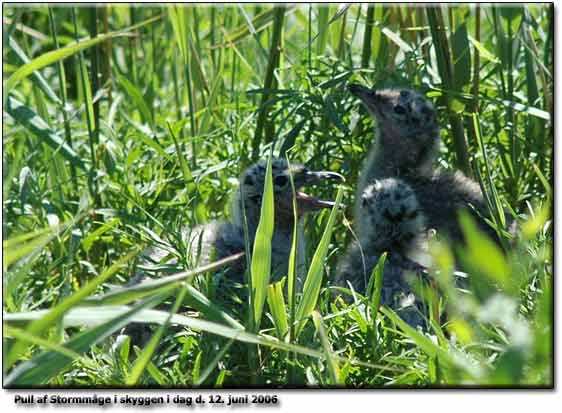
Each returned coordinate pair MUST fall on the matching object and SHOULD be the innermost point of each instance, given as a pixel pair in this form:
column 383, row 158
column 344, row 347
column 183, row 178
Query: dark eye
column 280, row 180
column 400, row 110
column 363, row 202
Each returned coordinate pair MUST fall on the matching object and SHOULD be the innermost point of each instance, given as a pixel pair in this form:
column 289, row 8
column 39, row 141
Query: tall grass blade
column 276, row 304
column 368, row 36
column 445, row 67
column 333, row 367
column 42, row 368
column 60, row 54
column 147, row 352
column 19, row 334
column 484, row 256
column 38, row 127
column 260, row 267
column 187, row 176
column 37, row 77
column 213, row 364
column 323, row 29
column 461, row 57
column 139, row 313
column 136, row 95
column 18, row 247
column 269, row 81
column 313, row 280
column 259, row 23
column 377, row 277
column 57, row 312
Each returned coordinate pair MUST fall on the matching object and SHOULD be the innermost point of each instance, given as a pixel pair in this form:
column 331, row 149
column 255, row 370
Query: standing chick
column 389, row 220
column 406, row 147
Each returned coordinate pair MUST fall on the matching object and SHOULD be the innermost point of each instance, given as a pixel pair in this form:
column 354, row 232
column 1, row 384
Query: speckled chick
column 220, row 239
column 390, row 220
column 406, row 146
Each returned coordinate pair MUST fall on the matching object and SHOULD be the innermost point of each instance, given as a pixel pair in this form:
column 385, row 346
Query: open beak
column 305, row 202
column 312, row 177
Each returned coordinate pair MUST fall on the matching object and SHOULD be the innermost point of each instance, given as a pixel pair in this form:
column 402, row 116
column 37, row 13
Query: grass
column 122, row 125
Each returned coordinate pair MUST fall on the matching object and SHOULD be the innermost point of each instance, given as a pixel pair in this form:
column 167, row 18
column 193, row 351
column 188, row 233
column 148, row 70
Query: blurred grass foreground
column 124, row 124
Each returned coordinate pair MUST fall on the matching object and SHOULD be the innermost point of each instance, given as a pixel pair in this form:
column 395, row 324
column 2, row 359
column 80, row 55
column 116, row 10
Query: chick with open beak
column 249, row 197
column 220, row 239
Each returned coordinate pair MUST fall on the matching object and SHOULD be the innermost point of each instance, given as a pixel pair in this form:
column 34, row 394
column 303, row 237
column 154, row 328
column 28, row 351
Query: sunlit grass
column 122, row 125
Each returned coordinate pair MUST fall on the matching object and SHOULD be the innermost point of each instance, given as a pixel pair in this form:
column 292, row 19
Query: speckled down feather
column 356, row 268
column 406, row 147
column 220, row 239
column 389, row 221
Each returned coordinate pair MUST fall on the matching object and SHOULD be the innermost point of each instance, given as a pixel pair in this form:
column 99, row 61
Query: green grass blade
column 140, row 314
column 19, row 334
column 146, row 354
column 367, row 37
column 333, row 367
column 45, row 366
column 204, row 126
column 484, row 255
column 428, row 346
column 188, row 178
column 37, row 77
column 461, row 57
column 177, row 18
column 135, row 94
column 446, row 71
column 496, row 208
column 313, row 280
column 194, row 297
column 60, row 54
column 16, row 248
column 377, row 277
column 259, row 22
column 323, row 29
column 276, row 304
column 260, row 267
column 39, row 128
column 213, row 364
column 269, row 81
column 57, row 312
column 88, row 242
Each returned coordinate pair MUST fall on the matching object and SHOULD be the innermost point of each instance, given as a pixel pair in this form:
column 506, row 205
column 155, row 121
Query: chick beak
column 305, row 202
column 314, row 177
column 360, row 91
column 368, row 96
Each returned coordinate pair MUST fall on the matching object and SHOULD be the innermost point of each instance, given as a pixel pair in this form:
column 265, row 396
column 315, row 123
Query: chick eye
column 280, row 180
column 400, row 110
column 248, row 180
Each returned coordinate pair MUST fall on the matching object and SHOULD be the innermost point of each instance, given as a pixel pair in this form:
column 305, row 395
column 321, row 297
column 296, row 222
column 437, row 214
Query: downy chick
column 406, row 146
column 220, row 239
column 390, row 220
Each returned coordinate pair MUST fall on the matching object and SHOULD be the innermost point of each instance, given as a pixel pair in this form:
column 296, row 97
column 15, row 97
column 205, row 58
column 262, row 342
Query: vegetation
column 123, row 124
